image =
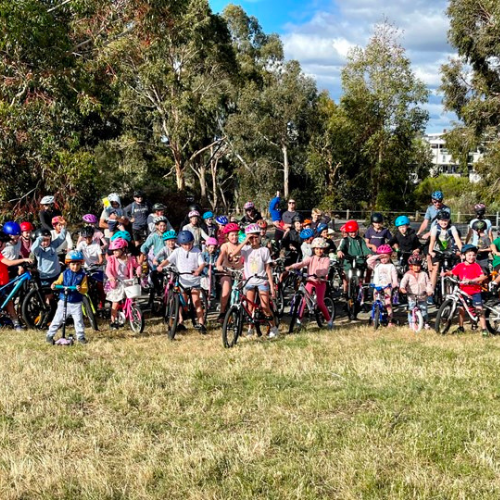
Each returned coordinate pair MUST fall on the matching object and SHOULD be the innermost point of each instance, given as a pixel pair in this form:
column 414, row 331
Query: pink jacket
column 315, row 265
column 419, row 285
column 112, row 267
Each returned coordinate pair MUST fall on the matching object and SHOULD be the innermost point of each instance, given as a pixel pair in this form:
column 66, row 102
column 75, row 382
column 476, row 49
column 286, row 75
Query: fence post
column 347, row 214
column 417, row 215
column 458, row 217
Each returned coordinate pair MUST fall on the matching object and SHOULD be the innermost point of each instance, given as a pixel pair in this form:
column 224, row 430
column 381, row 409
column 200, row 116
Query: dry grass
column 344, row 414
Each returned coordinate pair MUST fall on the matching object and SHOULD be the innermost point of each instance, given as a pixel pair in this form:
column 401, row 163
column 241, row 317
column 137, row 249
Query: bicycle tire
column 445, row 316
column 232, row 326
column 376, row 316
column 417, row 322
column 266, row 323
column 330, row 305
column 37, row 314
column 492, row 321
column 204, row 304
column 280, row 300
column 352, row 299
column 297, row 302
column 171, row 318
column 136, row 318
column 88, row 313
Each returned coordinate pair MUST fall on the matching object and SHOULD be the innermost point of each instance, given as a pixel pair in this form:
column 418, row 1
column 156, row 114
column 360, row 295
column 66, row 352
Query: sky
column 319, row 33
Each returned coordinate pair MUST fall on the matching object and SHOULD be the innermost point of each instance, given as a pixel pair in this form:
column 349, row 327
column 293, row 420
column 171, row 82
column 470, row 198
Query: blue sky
column 318, row 33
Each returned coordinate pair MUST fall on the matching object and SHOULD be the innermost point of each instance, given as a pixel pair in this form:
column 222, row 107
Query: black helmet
column 443, row 215
column 297, row 218
column 377, row 217
column 138, row 193
column 195, row 207
column 479, row 225
column 87, row 232
column 45, row 233
column 159, row 206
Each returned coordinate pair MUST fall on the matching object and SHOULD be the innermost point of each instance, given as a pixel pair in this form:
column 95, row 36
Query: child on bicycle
column 170, row 240
column 483, row 244
column 319, row 265
column 26, row 239
column 222, row 222
column 4, row 278
column 120, row 266
column 471, row 275
column 418, row 286
column 194, row 227
column 376, row 235
column 73, row 276
column 257, row 262
column 307, row 237
column 405, row 239
column 385, row 273
column 187, row 259
column 209, row 257
column 44, row 250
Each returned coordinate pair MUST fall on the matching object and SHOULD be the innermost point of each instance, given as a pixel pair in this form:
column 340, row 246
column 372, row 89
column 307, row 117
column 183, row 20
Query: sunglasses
column 436, row 201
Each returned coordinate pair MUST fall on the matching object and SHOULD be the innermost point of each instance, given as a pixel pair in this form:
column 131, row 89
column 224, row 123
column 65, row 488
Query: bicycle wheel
column 265, row 325
column 136, row 318
column 280, row 300
column 417, row 320
column 376, row 316
column 172, row 314
column 493, row 320
column 445, row 316
column 232, row 326
column 35, row 310
column 330, row 305
column 88, row 313
column 352, row 298
column 297, row 301
column 204, row 304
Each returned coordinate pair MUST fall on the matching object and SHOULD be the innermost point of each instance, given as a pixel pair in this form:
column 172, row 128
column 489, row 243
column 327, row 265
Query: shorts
column 477, row 299
column 139, row 234
column 262, row 288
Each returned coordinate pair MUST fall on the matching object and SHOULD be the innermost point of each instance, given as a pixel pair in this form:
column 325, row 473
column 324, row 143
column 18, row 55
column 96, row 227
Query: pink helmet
column 252, row 229
column 231, row 228
column 211, row 241
column 90, row 219
column 384, row 250
column 193, row 213
column 248, row 205
column 118, row 244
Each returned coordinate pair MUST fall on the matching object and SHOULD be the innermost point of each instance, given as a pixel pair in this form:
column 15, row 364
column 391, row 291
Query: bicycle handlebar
column 70, row 288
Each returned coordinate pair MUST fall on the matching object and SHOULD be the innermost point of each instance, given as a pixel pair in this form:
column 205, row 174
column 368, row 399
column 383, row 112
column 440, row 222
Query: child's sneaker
column 430, row 301
column 180, row 328
column 427, row 326
column 83, row 340
column 460, row 329
column 18, row 327
column 49, row 339
column 485, row 333
column 330, row 325
column 201, row 328
column 250, row 331
column 273, row 333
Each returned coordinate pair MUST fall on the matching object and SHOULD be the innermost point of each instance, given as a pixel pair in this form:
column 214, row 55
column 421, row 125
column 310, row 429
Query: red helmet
column 262, row 223
column 351, row 226
column 231, row 228
column 27, row 226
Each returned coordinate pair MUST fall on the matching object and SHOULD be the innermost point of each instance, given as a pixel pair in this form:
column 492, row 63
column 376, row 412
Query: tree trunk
column 286, row 172
column 213, row 169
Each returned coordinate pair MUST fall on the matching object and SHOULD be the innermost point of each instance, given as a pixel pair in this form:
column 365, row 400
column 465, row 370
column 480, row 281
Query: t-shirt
column 377, row 238
column 90, row 253
column 483, row 242
column 466, row 271
column 255, row 260
column 445, row 238
column 12, row 251
column 432, row 212
column 67, row 244
column 496, row 258
column 187, row 262
column 139, row 212
column 4, row 274
column 474, row 238
column 288, row 216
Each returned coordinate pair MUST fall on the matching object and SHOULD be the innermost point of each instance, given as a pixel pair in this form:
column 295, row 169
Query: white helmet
column 114, row 197
column 47, row 200
column 319, row 243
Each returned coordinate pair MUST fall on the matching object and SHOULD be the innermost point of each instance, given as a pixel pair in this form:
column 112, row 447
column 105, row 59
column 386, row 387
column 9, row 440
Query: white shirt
column 187, row 262
column 255, row 260
column 90, row 253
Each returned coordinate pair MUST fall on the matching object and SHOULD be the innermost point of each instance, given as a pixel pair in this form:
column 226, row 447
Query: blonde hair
column 317, row 211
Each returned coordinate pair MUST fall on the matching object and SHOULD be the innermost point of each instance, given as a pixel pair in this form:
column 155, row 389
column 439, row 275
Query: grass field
column 346, row 414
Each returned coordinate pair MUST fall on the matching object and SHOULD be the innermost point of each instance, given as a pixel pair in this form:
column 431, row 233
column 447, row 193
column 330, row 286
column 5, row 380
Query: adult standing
column 289, row 214
column 48, row 212
column 138, row 212
column 430, row 217
column 275, row 212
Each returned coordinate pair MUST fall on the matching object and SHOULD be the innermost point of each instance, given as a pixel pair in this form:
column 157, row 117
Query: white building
column 442, row 161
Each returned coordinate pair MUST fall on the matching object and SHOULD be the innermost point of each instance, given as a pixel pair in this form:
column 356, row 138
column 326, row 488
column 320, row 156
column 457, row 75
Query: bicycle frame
column 310, row 300
column 18, row 281
column 379, row 304
column 459, row 297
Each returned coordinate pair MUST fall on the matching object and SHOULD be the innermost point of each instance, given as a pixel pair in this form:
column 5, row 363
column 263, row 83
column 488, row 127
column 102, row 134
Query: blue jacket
column 274, row 208
column 72, row 279
column 47, row 258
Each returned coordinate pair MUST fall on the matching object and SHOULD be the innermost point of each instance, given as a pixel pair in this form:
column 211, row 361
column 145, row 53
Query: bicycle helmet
column 384, row 250
column 87, row 232
column 248, row 205
column 437, row 195
column 27, row 226
column 47, row 200
column 479, row 225
column 231, row 227
column 377, row 217
column 262, row 223
column 73, row 256
column 222, row 220
column 138, row 193
column 208, row 215
column 193, row 213
column 443, row 215
column 402, row 220
column 307, row 222
column 319, row 243
column 118, row 244
column 159, row 206
column 415, row 260
column 321, row 227
column 468, row 248
column 297, row 218
column 45, row 233
column 480, row 208
column 113, row 197
column 252, row 229
column 211, row 242
column 124, row 235
column 342, row 228
column 305, row 234
column 195, row 206
column 90, row 219
column 12, row 228
column 185, row 237
column 169, row 235
column 351, row 226
column 57, row 219
column 159, row 219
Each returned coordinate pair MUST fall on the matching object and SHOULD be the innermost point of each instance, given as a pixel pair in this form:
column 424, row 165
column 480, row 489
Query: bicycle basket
column 133, row 291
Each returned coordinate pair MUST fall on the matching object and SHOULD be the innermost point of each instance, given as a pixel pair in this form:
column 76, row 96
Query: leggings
column 320, row 296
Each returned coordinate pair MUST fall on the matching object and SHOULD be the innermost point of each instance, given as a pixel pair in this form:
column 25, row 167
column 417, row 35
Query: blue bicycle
column 379, row 315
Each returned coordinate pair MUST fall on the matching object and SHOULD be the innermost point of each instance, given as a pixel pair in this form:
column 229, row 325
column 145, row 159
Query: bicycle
column 379, row 315
column 129, row 309
column 303, row 305
column 278, row 270
column 415, row 316
column 239, row 313
column 447, row 261
column 355, row 289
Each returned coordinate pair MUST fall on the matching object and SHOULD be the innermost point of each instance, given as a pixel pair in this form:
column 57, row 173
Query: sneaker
column 273, row 333
column 427, row 326
column 330, row 325
column 180, row 328
column 18, row 327
column 49, row 339
column 201, row 328
column 485, row 333
column 460, row 329
column 220, row 318
column 114, row 325
column 83, row 340
column 430, row 301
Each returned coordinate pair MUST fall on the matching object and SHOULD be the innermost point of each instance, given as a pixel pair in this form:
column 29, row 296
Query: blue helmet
column 402, row 220
column 437, row 195
column 124, row 235
column 12, row 228
column 321, row 227
column 170, row 235
column 208, row 215
column 306, row 234
column 222, row 220
column 185, row 237
column 73, row 256
column 469, row 248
